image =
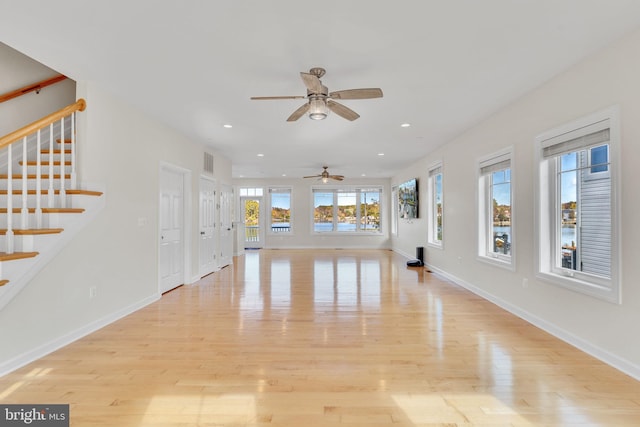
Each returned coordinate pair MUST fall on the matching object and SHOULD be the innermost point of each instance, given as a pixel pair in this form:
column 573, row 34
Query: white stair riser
column 31, row 184
column 44, row 201
column 71, row 201
column 28, row 243
column 31, row 170
column 14, row 268
column 49, row 220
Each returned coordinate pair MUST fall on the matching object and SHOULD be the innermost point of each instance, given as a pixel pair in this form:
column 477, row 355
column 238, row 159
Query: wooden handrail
column 31, row 88
column 10, row 138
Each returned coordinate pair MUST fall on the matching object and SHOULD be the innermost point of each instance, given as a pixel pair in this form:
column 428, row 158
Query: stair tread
column 47, row 151
column 44, row 192
column 32, row 231
column 16, row 255
column 33, row 176
column 46, row 210
column 66, row 140
column 44, row 163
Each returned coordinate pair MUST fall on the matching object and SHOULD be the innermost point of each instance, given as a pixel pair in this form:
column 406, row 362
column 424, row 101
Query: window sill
column 498, row 262
column 595, row 290
column 439, row 246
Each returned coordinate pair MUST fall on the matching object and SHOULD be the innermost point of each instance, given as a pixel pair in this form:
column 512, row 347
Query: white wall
column 120, row 152
column 302, row 210
column 18, row 71
column 606, row 330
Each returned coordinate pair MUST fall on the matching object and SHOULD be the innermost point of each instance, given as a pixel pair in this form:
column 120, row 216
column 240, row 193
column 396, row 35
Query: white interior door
column 226, row 232
column 208, row 262
column 171, row 229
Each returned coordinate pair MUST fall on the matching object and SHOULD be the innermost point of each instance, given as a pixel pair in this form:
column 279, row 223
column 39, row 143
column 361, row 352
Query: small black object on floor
column 419, row 261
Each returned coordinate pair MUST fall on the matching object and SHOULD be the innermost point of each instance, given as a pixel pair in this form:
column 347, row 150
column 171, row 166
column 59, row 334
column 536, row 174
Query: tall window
column 347, row 210
column 495, row 209
column 577, row 233
column 434, row 214
column 280, row 199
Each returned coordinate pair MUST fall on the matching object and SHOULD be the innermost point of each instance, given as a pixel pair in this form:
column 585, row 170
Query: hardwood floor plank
column 324, row 338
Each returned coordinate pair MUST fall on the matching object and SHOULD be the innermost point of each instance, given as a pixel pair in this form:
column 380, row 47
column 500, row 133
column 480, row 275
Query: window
column 495, row 208
column 280, row 199
column 250, row 192
column 577, row 235
column 346, row 210
column 434, row 213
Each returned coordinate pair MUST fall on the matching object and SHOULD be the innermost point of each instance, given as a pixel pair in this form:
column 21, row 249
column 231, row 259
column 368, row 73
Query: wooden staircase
column 44, row 215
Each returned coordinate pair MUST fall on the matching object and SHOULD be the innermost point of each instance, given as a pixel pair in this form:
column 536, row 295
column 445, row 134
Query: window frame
column 432, row 209
column 547, row 226
column 394, row 211
column 270, row 192
column 485, row 168
column 335, row 191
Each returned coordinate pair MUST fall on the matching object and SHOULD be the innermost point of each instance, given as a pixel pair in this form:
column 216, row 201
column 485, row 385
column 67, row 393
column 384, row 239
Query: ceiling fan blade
column 312, row 82
column 313, row 176
column 261, row 98
column 365, row 93
column 336, row 177
column 342, row 111
column 298, row 113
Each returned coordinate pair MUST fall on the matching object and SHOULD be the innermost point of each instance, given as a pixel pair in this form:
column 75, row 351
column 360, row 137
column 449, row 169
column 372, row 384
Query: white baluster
column 24, row 212
column 38, row 183
column 9, row 235
column 51, row 191
column 63, row 195
column 74, row 182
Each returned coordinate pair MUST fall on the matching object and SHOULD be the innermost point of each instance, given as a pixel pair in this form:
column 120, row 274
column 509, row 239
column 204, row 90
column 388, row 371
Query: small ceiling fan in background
column 320, row 100
column 325, row 176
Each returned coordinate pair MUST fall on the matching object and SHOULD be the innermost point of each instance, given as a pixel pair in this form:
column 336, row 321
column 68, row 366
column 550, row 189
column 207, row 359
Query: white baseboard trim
column 605, row 356
column 51, row 346
column 404, row 254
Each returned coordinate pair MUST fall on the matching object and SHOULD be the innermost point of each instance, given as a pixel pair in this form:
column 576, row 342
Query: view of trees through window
column 357, row 210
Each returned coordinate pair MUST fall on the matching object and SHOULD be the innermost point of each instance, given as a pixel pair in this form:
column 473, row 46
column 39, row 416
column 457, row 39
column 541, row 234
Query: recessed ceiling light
column 260, row 155
column 364, row 174
column 405, row 125
column 284, row 174
column 381, row 154
column 227, row 126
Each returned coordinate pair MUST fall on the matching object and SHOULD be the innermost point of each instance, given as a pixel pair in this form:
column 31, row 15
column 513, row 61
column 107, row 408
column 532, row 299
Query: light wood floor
column 325, row 338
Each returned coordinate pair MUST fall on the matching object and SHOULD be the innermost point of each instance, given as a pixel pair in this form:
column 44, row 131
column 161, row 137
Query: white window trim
column 484, row 211
column 394, row 211
column 346, row 189
column 435, row 168
column 291, row 231
column 607, row 290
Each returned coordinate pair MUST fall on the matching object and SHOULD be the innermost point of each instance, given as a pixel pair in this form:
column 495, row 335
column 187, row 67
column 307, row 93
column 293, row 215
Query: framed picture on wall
column 408, row 199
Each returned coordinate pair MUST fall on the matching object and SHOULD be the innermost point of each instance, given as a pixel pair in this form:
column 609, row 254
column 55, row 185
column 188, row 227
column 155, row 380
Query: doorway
column 171, row 264
column 207, row 226
column 226, row 225
column 251, row 208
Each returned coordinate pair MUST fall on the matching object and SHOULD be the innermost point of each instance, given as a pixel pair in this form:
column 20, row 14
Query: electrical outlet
column 525, row 282
column 93, row 291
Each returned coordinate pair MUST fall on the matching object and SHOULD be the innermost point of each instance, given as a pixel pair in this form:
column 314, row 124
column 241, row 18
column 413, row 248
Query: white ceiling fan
column 325, row 176
column 321, row 101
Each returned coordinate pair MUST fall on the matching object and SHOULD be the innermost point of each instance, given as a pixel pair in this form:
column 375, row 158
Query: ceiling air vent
column 208, row 163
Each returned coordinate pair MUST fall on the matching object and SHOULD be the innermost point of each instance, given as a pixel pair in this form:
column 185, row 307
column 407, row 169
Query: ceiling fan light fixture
column 318, row 109
column 325, row 180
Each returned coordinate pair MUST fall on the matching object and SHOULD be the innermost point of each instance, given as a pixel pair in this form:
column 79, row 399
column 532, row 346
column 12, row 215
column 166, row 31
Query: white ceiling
column 442, row 65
